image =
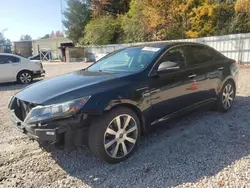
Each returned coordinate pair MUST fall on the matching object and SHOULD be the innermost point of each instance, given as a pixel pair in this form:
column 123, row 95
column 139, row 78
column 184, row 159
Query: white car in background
column 16, row 68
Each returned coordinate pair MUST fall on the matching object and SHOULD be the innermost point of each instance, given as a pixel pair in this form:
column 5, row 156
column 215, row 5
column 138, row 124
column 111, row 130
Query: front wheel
column 226, row 97
column 114, row 136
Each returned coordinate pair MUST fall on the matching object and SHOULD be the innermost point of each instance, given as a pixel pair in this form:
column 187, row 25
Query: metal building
column 23, row 48
column 50, row 45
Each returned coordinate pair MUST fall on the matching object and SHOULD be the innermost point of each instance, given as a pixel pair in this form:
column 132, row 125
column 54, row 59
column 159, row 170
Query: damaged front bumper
column 70, row 131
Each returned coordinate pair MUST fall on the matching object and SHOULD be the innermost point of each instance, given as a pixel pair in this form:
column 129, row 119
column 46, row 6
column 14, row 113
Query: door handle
column 192, row 76
column 220, row 68
column 155, row 91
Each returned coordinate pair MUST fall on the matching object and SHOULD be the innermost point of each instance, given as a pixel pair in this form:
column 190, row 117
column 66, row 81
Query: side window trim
column 152, row 71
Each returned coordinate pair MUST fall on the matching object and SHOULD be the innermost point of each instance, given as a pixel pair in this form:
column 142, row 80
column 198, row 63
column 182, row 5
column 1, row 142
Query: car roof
column 5, row 54
column 167, row 44
column 9, row 54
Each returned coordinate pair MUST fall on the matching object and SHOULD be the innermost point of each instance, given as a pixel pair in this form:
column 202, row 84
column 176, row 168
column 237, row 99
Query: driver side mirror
column 168, row 66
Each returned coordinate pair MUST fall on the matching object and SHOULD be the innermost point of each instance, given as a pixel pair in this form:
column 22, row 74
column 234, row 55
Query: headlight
column 55, row 111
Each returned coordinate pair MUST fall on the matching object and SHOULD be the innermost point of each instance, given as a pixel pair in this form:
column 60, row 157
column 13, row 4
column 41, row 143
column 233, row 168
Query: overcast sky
column 33, row 17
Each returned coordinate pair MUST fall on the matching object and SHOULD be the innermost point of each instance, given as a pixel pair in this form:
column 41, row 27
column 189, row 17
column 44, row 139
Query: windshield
column 128, row 60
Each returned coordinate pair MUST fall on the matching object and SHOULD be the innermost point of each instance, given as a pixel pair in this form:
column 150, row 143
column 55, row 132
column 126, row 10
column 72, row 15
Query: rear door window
column 5, row 59
column 13, row 59
column 201, row 54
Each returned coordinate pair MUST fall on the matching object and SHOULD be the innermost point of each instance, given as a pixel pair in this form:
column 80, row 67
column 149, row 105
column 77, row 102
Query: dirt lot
column 204, row 149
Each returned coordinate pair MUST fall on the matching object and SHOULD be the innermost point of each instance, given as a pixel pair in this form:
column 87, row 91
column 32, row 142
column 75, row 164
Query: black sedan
column 114, row 101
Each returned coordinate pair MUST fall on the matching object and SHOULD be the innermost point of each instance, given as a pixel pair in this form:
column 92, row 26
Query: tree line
column 111, row 21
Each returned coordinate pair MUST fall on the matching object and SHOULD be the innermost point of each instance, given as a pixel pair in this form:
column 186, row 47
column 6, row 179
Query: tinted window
column 200, row 54
column 14, row 59
column 4, row 59
column 174, row 55
column 217, row 55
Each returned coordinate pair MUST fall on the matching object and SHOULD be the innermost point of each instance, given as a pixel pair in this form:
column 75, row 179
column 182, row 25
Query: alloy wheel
column 120, row 136
column 25, row 78
column 228, row 96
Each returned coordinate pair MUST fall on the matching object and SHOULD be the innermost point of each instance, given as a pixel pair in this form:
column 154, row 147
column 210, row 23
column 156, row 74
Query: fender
column 19, row 71
column 135, row 107
column 225, row 80
column 114, row 103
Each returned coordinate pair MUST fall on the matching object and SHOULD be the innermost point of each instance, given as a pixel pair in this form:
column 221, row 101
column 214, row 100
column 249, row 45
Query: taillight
column 236, row 63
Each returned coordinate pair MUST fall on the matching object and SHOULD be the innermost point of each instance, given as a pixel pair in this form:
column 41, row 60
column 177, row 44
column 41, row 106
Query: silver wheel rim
column 228, row 96
column 25, row 78
column 120, row 136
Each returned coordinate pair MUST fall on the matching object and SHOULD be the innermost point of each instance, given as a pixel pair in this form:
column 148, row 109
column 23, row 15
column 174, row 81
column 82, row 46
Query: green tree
column 241, row 22
column 101, row 31
column 25, row 37
column 5, row 44
column 133, row 23
column 147, row 20
column 224, row 17
column 45, row 36
column 119, row 7
column 167, row 19
column 210, row 18
column 181, row 15
column 2, row 39
column 104, row 7
column 98, row 7
column 77, row 16
column 158, row 15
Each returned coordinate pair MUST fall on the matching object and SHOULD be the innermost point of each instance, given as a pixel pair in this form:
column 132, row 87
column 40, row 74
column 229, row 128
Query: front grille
column 21, row 108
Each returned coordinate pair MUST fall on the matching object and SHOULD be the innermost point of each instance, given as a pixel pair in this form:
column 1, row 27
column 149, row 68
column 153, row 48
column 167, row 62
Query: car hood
column 67, row 87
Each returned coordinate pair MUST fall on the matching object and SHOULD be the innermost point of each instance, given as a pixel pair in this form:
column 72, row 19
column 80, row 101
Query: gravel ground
column 203, row 149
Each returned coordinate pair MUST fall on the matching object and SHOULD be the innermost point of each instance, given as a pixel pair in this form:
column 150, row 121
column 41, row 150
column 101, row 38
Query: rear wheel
column 226, row 97
column 114, row 136
column 25, row 77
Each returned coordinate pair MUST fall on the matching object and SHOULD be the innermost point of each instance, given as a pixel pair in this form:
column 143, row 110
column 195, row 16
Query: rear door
column 206, row 65
column 9, row 66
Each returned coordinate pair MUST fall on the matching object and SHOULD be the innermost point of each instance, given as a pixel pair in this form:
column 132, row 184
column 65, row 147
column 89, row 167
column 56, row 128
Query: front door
column 171, row 91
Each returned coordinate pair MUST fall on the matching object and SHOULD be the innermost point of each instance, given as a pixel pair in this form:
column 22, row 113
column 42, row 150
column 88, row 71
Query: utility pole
column 61, row 2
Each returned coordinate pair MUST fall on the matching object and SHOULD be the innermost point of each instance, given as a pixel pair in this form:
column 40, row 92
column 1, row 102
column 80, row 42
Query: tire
column 110, row 143
column 25, row 77
column 226, row 97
